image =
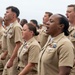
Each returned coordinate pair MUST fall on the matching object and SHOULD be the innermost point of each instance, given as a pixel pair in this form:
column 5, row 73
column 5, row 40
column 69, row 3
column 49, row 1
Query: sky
column 35, row 9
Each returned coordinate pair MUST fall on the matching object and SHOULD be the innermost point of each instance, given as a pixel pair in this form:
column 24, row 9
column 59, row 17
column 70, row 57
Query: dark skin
column 54, row 28
column 64, row 70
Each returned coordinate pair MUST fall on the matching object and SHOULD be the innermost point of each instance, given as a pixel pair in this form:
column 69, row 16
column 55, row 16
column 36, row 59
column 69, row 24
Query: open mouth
column 67, row 16
column 47, row 29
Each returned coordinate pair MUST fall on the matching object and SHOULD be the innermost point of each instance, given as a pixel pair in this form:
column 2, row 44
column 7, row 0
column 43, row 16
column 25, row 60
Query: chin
column 22, row 37
column 47, row 33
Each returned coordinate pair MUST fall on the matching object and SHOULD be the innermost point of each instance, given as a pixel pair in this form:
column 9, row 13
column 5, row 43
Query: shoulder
column 35, row 43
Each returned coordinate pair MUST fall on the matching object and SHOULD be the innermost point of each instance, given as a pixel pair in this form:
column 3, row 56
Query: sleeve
column 66, row 55
column 33, row 54
column 18, row 34
column 4, row 43
column 72, row 36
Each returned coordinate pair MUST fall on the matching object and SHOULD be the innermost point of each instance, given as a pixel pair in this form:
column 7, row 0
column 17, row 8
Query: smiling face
column 53, row 26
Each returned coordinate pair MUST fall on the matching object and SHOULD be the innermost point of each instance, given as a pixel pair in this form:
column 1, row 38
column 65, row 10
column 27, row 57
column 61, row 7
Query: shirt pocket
column 50, row 54
column 24, row 50
column 24, row 54
column 10, row 34
column 50, row 50
column 5, row 34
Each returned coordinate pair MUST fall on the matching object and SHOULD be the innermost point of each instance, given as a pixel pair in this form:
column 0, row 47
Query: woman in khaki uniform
column 29, row 51
column 57, row 57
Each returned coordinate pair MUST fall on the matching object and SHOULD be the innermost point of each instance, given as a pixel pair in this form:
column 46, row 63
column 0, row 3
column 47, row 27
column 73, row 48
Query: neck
column 28, row 38
column 54, row 35
column 73, row 22
column 13, row 20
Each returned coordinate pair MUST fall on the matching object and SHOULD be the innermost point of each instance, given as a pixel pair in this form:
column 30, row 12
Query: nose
column 47, row 23
column 66, row 14
column 4, row 14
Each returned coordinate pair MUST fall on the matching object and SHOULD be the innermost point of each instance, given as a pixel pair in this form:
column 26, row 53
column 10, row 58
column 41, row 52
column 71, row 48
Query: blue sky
column 34, row 9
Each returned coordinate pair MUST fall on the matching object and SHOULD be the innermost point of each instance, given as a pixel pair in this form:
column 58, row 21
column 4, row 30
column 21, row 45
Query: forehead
column 70, row 8
column 8, row 9
column 25, row 27
column 55, row 17
column 45, row 14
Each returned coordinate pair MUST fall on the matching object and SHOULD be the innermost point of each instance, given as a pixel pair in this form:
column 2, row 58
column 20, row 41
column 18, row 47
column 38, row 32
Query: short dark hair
column 64, row 20
column 23, row 21
column 14, row 9
column 35, row 22
column 72, row 5
column 18, row 19
column 49, row 13
column 32, row 28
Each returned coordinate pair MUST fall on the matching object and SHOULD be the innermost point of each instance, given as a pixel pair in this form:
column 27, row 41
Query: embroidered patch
column 74, row 35
column 26, row 46
column 53, row 45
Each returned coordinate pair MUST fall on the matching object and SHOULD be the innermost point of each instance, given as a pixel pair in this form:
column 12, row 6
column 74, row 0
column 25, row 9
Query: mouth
column 47, row 29
column 67, row 16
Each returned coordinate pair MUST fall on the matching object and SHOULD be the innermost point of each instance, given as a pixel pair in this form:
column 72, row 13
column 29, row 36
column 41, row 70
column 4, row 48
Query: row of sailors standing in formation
column 24, row 51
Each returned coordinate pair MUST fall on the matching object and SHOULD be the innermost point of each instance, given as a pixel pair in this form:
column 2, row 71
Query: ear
column 14, row 14
column 32, row 32
column 61, row 26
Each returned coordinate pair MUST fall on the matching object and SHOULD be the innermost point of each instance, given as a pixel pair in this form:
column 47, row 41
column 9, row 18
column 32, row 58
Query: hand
column 0, row 46
column 21, row 74
column 9, row 63
column 3, row 57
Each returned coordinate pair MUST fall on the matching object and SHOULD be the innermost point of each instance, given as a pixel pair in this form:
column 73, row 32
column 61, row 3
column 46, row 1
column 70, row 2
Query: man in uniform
column 13, row 40
column 1, row 34
column 70, row 13
column 42, row 38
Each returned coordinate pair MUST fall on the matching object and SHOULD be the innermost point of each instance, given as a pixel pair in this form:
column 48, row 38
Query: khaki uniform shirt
column 29, row 53
column 72, row 39
column 57, row 52
column 1, row 34
column 42, row 37
column 12, row 35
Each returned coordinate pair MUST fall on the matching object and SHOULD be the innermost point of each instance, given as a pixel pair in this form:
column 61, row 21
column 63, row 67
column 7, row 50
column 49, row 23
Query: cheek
column 71, row 15
column 53, row 29
column 23, row 34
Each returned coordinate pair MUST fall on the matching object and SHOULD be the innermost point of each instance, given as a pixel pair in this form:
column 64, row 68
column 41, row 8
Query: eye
column 24, row 30
column 51, row 21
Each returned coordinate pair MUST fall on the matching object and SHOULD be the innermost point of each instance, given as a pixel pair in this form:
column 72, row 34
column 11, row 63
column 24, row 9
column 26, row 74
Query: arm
column 74, row 51
column 64, row 70
column 4, row 54
column 66, row 58
column 27, row 68
column 32, row 59
column 14, row 54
